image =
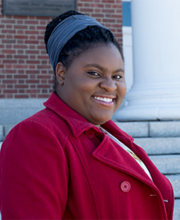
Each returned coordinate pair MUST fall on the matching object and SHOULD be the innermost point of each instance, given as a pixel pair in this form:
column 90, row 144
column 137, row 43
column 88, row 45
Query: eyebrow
column 101, row 68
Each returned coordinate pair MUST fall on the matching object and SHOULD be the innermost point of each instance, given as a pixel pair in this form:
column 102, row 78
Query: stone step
column 175, row 181
column 159, row 145
column 4, row 130
column 1, row 133
column 176, row 215
column 151, row 128
column 167, row 164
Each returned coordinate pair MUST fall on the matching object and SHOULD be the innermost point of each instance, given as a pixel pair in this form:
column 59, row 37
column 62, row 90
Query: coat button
column 90, row 133
column 125, row 186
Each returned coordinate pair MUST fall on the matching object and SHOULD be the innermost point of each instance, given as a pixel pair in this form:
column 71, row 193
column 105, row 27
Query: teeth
column 103, row 99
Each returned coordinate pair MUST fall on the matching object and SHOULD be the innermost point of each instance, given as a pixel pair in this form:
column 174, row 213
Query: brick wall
column 25, row 70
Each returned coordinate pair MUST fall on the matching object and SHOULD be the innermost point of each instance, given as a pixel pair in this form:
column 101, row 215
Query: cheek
column 122, row 90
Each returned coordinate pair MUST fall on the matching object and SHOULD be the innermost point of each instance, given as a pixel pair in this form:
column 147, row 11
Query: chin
column 101, row 120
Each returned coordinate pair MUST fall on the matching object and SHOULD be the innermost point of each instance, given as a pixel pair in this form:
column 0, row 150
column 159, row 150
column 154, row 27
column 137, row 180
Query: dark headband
column 64, row 31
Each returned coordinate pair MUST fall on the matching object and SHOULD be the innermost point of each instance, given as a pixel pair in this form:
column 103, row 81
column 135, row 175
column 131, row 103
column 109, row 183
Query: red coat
column 57, row 165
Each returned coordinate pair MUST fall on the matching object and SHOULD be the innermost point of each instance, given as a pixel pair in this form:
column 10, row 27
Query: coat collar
column 76, row 122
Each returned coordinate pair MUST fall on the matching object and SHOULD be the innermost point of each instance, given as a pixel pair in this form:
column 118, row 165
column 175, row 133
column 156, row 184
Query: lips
column 104, row 100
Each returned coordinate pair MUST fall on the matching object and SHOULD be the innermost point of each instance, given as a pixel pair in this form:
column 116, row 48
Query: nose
column 108, row 84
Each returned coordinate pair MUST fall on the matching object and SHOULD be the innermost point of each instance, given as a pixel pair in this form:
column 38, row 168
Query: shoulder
column 44, row 125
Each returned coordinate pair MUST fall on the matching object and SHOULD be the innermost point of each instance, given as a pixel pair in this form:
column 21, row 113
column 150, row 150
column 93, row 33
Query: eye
column 117, row 77
column 93, row 73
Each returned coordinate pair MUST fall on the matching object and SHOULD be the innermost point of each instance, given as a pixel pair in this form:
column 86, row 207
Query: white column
column 155, row 93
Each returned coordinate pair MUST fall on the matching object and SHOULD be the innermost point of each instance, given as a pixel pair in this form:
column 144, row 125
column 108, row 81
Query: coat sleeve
column 34, row 174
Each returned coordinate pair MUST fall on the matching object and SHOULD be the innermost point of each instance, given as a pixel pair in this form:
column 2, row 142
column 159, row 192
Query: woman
column 70, row 161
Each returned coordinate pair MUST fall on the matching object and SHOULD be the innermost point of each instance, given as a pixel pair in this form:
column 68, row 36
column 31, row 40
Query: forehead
column 101, row 54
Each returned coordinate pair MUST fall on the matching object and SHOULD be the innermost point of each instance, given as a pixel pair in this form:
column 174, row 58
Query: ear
column 60, row 73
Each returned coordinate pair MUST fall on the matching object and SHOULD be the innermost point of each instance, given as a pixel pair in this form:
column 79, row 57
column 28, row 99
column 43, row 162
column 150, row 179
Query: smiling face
column 94, row 84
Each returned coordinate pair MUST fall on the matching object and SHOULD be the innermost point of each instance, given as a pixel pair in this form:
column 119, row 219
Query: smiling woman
column 70, row 160
column 94, row 84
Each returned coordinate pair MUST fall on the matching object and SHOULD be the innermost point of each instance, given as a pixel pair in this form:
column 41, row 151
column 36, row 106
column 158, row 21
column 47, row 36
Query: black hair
column 81, row 41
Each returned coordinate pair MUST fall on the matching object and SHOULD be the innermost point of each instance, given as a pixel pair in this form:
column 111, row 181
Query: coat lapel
column 160, row 182
column 111, row 154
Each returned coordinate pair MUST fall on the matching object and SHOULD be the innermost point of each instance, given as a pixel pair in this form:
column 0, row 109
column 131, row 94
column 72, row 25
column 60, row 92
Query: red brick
column 21, row 90
column 111, row 11
column 32, row 90
column 20, row 76
column 9, row 61
column 2, row 56
column 44, row 91
column 20, row 32
column 32, row 86
column 9, row 76
column 9, row 51
column 31, row 22
column 43, row 27
column 8, row 21
column 32, row 37
column 20, row 56
column 10, row 81
column 32, row 32
column 43, row 96
column 20, row 66
column 21, row 37
column 9, row 96
column 86, row 4
column 43, row 47
column 2, row 86
column 108, row 20
column 10, row 91
column 8, row 66
column 41, row 38
column 9, row 86
column 32, row 81
column 33, row 95
column 32, row 67
column 20, row 17
column 79, row 4
column 9, row 71
column 32, row 52
column 31, row 42
column 20, row 51
column 9, row 36
column 8, row 46
column 32, row 47
column 21, row 96
column 40, row 57
column 20, row 71
column 9, row 26
column 32, row 71
column 8, row 31
column 20, row 27
column 19, row 22
column 33, row 61
column 87, row 9
column 12, row 41
column 21, row 81
column 42, row 86
column 21, row 86
column 32, row 27
column 43, row 67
